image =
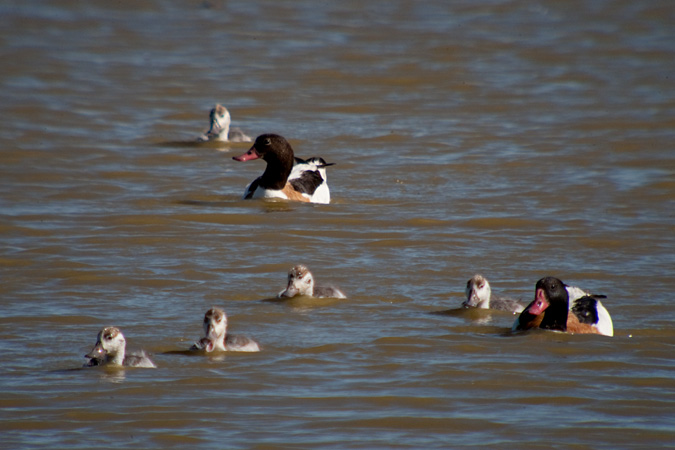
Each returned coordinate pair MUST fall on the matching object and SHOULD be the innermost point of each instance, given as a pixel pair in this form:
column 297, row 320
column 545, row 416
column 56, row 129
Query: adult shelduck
column 286, row 176
column 550, row 310
column 110, row 349
column 479, row 295
column 217, row 337
column 219, row 129
column 301, row 282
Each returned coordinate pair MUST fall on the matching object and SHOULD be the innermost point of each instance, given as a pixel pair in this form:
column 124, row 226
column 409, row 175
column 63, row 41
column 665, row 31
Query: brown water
column 515, row 139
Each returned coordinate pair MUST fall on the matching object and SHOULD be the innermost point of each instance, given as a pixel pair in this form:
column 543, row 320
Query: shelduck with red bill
column 550, row 310
column 286, row 177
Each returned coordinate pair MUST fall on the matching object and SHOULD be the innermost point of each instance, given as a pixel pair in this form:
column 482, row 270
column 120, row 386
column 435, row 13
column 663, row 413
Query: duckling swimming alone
column 220, row 128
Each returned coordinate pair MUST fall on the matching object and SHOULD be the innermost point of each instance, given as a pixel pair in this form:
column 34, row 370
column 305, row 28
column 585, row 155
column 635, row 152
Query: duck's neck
column 279, row 167
column 224, row 132
column 217, row 336
column 555, row 316
column 310, row 289
column 117, row 357
column 222, row 341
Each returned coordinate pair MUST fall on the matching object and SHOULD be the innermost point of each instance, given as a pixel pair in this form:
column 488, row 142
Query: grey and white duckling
column 220, row 130
column 479, row 295
column 217, row 338
column 301, row 282
column 110, row 349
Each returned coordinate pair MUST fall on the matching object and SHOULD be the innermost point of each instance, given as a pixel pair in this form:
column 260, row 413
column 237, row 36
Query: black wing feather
column 308, row 182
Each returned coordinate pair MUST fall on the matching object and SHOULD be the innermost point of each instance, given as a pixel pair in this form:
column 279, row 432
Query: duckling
column 301, row 282
column 220, row 128
column 215, row 329
column 110, row 349
column 478, row 295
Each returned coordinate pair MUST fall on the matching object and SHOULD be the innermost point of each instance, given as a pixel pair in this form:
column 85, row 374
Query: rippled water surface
column 510, row 138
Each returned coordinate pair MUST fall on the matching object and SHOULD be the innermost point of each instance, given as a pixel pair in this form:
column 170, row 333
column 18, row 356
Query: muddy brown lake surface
column 509, row 138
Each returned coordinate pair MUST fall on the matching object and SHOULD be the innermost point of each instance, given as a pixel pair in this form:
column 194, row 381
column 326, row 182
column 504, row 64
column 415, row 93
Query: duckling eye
column 268, row 141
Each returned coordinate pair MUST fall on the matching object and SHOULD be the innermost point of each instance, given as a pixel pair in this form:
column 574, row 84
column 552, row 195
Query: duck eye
column 268, row 141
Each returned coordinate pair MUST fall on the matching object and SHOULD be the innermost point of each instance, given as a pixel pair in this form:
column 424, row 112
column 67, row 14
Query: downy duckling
column 301, row 282
column 220, row 130
column 215, row 329
column 479, row 295
column 110, row 349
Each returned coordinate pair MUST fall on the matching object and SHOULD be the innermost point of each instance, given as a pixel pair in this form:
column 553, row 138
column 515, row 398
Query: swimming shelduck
column 551, row 310
column 220, row 130
column 479, row 295
column 286, row 176
column 217, row 338
column 110, row 348
column 301, row 282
